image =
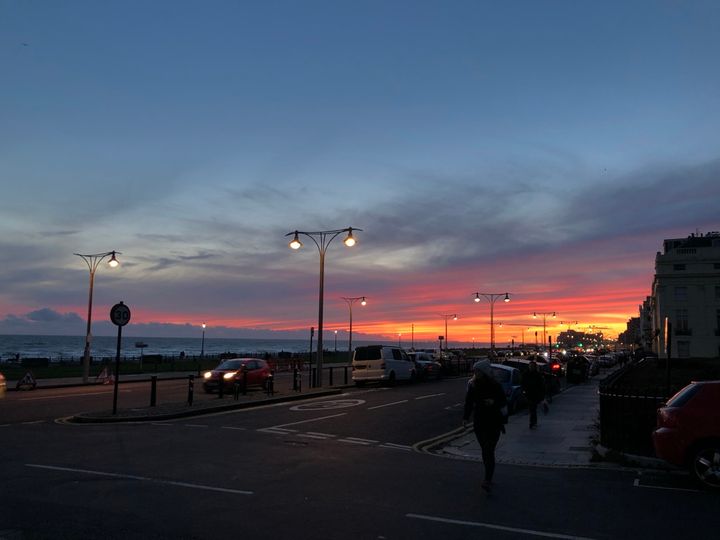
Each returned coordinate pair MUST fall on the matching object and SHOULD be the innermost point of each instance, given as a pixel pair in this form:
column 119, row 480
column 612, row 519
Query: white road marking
column 307, row 421
column 397, row 446
column 141, row 479
column 309, row 436
column 33, row 422
column 358, row 439
column 352, row 441
column 277, row 431
column 233, row 427
column 430, row 395
column 637, row 484
column 387, row 404
column 328, row 435
column 497, row 527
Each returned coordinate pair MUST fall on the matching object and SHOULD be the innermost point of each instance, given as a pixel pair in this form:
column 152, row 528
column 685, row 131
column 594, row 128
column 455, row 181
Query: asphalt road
column 337, row 467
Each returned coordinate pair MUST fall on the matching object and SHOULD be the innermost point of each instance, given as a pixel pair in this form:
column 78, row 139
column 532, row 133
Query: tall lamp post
column 322, row 240
column 492, row 298
column 452, row 316
column 544, row 316
column 202, row 348
column 93, row 261
column 350, row 300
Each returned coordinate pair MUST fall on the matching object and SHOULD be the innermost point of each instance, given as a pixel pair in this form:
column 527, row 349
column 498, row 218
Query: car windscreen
column 501, row 375
column 368, row 353
column 683, row 396
column 231, row 364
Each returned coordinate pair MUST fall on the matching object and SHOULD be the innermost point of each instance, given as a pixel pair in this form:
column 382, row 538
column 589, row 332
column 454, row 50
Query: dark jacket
column 486, row 398
column 533, row 385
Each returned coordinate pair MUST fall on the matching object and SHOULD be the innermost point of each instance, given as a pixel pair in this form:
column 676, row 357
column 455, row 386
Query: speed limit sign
column 120, row 314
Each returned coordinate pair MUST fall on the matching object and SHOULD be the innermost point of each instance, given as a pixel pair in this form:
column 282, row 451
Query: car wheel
column 705, row 465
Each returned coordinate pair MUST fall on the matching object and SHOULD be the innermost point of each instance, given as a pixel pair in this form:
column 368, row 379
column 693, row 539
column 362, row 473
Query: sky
column 539, row 148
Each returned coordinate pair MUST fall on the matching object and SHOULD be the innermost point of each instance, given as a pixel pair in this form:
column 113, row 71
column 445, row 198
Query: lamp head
column 363, row 302
column 113, row 262
column 477, row 297
column 507, row 297
column 295, row 243
column 349, row 240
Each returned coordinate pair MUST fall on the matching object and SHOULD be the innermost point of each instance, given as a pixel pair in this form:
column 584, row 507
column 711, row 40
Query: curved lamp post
column 350, row 301
column 322, row 240
column 544, row 316
column 93, row 261
column 492, row 298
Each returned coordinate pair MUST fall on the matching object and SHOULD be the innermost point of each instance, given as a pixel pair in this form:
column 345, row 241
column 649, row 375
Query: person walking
column 533, row 385
column 486, row 401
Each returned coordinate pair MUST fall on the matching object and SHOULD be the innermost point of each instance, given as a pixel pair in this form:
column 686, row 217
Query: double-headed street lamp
column 322, row 240
column 93, row 261
column 492, row 298
column 544, row 316
column 454, row 317
column 350, row 300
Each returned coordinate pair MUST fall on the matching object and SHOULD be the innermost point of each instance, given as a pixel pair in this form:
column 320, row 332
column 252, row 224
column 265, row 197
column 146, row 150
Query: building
column 686, row 294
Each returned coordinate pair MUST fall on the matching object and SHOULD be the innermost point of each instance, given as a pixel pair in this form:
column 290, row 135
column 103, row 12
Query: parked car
column 577, row 369
column 425, row 365
column 232, row 370
column 688, row 431
column 382, row 363
column 607, row 360
column 550, row 371
column 509, row 378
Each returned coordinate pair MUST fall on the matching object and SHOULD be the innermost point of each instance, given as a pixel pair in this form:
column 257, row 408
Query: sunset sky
column 543, row 148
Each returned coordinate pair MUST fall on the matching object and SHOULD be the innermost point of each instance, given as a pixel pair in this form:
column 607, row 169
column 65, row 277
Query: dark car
column 425, row 365
column 509, row 378
column 252, row 371
column 688, row 431
column 577, row 369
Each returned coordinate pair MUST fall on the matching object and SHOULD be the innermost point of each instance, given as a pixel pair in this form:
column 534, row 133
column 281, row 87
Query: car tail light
column 667, row 417
column 555, row 367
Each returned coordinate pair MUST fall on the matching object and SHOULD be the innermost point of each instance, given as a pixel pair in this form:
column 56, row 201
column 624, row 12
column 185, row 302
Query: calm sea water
column 71, row 347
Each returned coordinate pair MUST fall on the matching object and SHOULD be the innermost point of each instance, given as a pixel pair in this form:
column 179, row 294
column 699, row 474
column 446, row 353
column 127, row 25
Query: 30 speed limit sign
column 120, row 314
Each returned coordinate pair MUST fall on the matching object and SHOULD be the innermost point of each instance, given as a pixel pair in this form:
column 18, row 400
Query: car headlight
column 230, row 375
column 207, row 374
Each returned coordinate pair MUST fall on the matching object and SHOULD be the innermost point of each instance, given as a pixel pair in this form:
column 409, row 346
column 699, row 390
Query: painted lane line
column 328, row 435
column 277, row 431
column 233, row 427
column 396, row 446
column 307, row 421
column 141, row 479
column 430, row 395
column 387, row 404
column 358, row 439
column 497, row 527
column 308, row 436
column 351, row 441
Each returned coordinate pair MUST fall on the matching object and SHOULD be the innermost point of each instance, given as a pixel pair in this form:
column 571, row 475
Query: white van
column 382, row 363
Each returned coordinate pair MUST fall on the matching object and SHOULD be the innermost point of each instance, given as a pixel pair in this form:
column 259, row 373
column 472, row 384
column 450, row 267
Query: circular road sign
column 328, row 405
column 120, row 314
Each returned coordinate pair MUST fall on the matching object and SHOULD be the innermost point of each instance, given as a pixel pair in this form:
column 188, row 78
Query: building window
column 678, row 267
column 683, row 349
column 681, row 294
column 681, row 322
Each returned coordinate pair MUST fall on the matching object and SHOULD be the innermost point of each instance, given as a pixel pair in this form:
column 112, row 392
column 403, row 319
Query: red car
column 688, row 431
column 256, row 372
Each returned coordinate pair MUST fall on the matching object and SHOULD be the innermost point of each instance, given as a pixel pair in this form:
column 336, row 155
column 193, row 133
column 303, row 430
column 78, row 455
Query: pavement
column 567, row 436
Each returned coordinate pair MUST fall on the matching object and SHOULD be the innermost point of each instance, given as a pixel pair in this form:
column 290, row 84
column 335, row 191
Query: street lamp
column 492, row 298
column 322, row 240
column 544, row 316
column 350, row 301
column 202, row 348
column 399, row 340
column 335, row 342
column 454, row 317
column 93, row 261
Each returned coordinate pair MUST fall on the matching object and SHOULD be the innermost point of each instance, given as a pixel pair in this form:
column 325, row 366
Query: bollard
column 153, row 391
column 330, row 382
column 270, row 385
column 191, row 389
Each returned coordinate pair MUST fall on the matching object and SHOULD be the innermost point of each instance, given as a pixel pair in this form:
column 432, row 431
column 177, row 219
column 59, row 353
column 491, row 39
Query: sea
column 70, row 348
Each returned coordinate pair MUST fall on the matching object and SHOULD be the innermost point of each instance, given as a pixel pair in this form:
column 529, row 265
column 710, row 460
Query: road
column 345, row 466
